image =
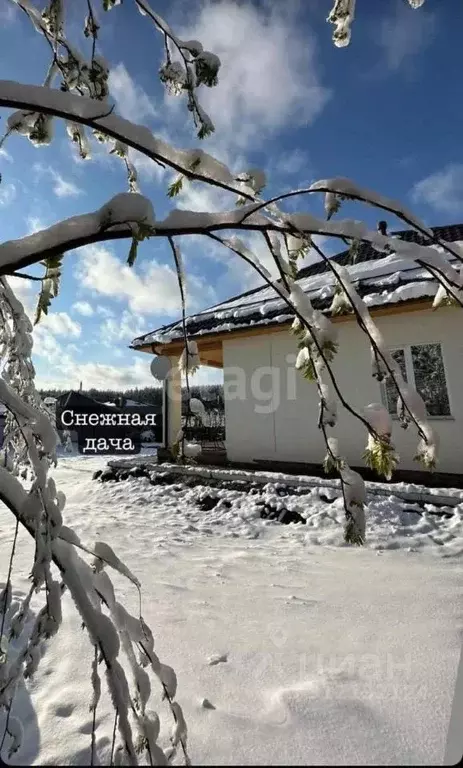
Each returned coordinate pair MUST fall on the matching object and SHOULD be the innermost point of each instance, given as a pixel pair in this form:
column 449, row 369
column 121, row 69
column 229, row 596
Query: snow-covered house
column 271, row 411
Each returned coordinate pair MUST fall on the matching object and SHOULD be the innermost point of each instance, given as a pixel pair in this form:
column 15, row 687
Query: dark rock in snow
column 163, row 478
column 291, row 516
column 327, row 499
column 108, row 474
column 239, row 485
column 139, row 471
column 97, row 474
column 283, row 515
column 207, row 502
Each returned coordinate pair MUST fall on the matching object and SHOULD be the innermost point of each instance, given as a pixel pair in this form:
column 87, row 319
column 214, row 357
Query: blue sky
column 386, row 112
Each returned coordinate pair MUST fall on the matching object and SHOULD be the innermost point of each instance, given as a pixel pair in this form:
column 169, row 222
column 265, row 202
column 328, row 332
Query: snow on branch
column 98, row 115
column 121, row 216
column 91, row 589
column 345, row 188
column 342, row 17
column 129, row 208
column 27, row 452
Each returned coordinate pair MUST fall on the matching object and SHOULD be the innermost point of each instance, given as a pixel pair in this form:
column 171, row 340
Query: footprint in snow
column 87, row 727
column 64, row 710
column 294, row 600
column 217, row 659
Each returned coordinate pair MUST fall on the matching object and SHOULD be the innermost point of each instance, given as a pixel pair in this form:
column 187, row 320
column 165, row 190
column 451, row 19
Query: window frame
column 410, row 372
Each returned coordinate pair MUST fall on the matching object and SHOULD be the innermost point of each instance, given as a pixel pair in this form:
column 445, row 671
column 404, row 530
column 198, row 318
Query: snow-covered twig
column 187, row 361
column 85, row 111
column 5, row 595
column 342, row 17
column 113, row 740
column 96, row 685
column 194, row 59
column 39, row 512
column 349, row 190
column 284, row 295
column 366, row 324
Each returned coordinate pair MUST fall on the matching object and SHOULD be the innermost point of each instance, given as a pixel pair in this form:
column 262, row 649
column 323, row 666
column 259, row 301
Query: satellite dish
column 160, row 367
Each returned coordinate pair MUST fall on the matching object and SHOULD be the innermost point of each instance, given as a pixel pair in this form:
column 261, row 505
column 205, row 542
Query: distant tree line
column 210, row 394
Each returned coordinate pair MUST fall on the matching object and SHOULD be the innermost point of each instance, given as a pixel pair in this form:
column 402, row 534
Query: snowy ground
column 330, row 655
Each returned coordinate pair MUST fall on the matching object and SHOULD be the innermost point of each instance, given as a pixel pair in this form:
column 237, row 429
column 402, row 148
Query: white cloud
column 55, row 323
column 7, row 193
column 442, row 190
column 55, row 356
column 3, row 153
column 154, row 290
column 50, row 336
column 83, row 308
column 268, row 78
column 26, row 291
column 292, row 162
column 195, row 196
column 61, row 187
column 146, row 167
column 104, row 311
column 60, row 324
column 69, row 373
column 64, row 188
column 47, row 346
column 34, row 224
column 405, row 34
column 123, row 328
column 132, row 101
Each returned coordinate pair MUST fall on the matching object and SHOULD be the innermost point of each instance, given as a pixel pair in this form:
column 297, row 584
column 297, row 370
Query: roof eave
column 175, row 345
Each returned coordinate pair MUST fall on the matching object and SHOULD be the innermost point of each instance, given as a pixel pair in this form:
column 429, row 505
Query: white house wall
column 271, row 411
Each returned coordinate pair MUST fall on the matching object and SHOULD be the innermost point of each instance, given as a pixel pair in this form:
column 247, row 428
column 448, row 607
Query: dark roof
column 74, row 399
column 206, row 321
column 366, row 252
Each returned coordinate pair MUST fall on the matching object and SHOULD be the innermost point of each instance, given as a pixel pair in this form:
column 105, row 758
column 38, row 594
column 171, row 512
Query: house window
column 422, row 367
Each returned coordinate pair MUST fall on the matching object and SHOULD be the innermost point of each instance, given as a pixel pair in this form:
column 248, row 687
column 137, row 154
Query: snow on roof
column 131, row 404
column 380, row 280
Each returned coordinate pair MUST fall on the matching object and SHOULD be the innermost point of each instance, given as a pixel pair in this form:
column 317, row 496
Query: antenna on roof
column 382, row 227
